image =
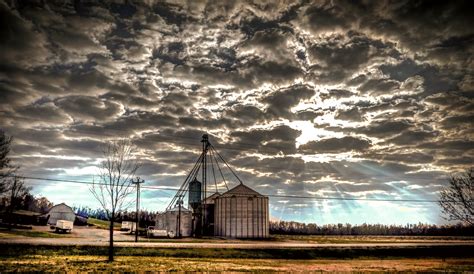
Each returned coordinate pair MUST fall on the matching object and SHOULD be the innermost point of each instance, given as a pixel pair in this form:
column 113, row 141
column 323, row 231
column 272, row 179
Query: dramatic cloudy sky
column 360, row 99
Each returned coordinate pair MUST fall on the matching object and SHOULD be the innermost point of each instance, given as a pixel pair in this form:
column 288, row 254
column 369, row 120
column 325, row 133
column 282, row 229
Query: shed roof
column 241, row 190
column 210, row 199
column 61, row 204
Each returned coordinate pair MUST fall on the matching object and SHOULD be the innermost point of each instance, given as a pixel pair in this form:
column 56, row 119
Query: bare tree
column 115, row 182
column 6, row 168
column 18, row 191
column 457, row 199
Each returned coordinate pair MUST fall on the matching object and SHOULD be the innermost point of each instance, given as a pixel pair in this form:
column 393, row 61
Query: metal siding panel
column 227, row 218
column 219, row 229
column 245, row 218
column 254, row 218
column 232, row 217
column 222, row 217
column 237, row 217
column 250, row 219
column 258, row 218
column 216, row 217
column 243, row 215
column 267, row 217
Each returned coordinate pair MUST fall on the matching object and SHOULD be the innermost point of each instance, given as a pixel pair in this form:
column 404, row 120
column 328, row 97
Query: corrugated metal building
column 60, row 212
column 241, row 212
column 238, row 213
column 168, row 221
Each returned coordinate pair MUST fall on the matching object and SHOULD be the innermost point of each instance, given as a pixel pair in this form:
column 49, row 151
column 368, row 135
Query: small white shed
column 60, row 212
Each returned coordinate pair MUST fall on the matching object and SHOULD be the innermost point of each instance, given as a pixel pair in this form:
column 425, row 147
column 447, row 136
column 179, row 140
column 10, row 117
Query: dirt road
column 99, row 237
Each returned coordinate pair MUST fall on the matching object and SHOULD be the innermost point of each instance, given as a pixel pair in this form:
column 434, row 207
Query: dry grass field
column 40, row 249
column 89, row 263
column 25, row 258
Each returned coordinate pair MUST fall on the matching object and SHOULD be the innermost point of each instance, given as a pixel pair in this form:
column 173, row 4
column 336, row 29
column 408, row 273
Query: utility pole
column 137, row 182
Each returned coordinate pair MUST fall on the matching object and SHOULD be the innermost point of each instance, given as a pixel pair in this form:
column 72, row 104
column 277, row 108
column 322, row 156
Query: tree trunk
column 12, row 206
column 111, row 240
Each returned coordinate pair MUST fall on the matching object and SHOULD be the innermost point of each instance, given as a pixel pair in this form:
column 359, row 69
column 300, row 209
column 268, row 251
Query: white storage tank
column 168, row 221
column 241, row 213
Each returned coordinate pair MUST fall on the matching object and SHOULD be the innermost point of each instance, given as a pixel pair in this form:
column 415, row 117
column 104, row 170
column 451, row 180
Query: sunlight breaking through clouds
column 315, row 98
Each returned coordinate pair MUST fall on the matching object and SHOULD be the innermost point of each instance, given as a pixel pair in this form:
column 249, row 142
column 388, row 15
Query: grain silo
column 238, row 213
column 241, row 213
column 174, row 220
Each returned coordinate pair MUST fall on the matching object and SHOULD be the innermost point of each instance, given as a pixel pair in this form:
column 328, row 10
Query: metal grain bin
column 194, row 194
column 241, row 213
column 168, row 221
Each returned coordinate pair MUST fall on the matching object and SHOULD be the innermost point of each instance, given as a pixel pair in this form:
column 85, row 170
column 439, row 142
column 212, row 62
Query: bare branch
column 457, row 199
column 115, row 173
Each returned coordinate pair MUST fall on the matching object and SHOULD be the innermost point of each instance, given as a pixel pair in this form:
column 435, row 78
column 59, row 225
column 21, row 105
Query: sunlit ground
column 130, row 263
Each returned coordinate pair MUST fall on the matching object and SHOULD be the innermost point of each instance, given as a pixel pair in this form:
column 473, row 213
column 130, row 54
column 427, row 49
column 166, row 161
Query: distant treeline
column 147, row 218
column 25, row 202
column 296, row 228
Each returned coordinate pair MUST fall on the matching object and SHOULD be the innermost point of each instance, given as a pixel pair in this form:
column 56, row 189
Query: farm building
column 240, row 212
column 175, row 220
column 60, row 212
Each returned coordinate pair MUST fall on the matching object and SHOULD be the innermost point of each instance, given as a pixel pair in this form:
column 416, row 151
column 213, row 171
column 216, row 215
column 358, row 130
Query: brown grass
column 15, row 233
column 340, row 239
column 138, row 263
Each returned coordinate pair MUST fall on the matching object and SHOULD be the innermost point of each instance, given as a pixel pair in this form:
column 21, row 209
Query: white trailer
column 128, row 226
column 64, row 226
column 152, row 231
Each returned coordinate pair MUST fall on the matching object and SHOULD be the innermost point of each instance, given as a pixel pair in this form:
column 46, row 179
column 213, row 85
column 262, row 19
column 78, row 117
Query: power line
column 268, row 195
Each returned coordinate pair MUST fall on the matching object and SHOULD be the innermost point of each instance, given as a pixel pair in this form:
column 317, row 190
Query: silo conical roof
column 241, row 190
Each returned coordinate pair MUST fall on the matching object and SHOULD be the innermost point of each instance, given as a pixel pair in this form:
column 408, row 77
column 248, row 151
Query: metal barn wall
column 60, row 212
column 241, row 216
column 169, row 221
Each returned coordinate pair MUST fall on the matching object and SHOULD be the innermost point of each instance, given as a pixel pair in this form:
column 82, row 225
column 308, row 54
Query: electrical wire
column 220, row 171
column 213, row 172
column 212, row 147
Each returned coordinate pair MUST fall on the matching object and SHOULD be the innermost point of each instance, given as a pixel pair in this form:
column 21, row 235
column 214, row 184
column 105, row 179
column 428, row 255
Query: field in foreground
column 93, row 258
column 145, row 263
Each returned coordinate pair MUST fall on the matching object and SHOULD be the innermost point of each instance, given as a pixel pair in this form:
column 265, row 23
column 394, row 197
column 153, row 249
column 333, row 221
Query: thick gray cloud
column 280, row 101
column 335, row 145
column 271, row 141
column 304, row 98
